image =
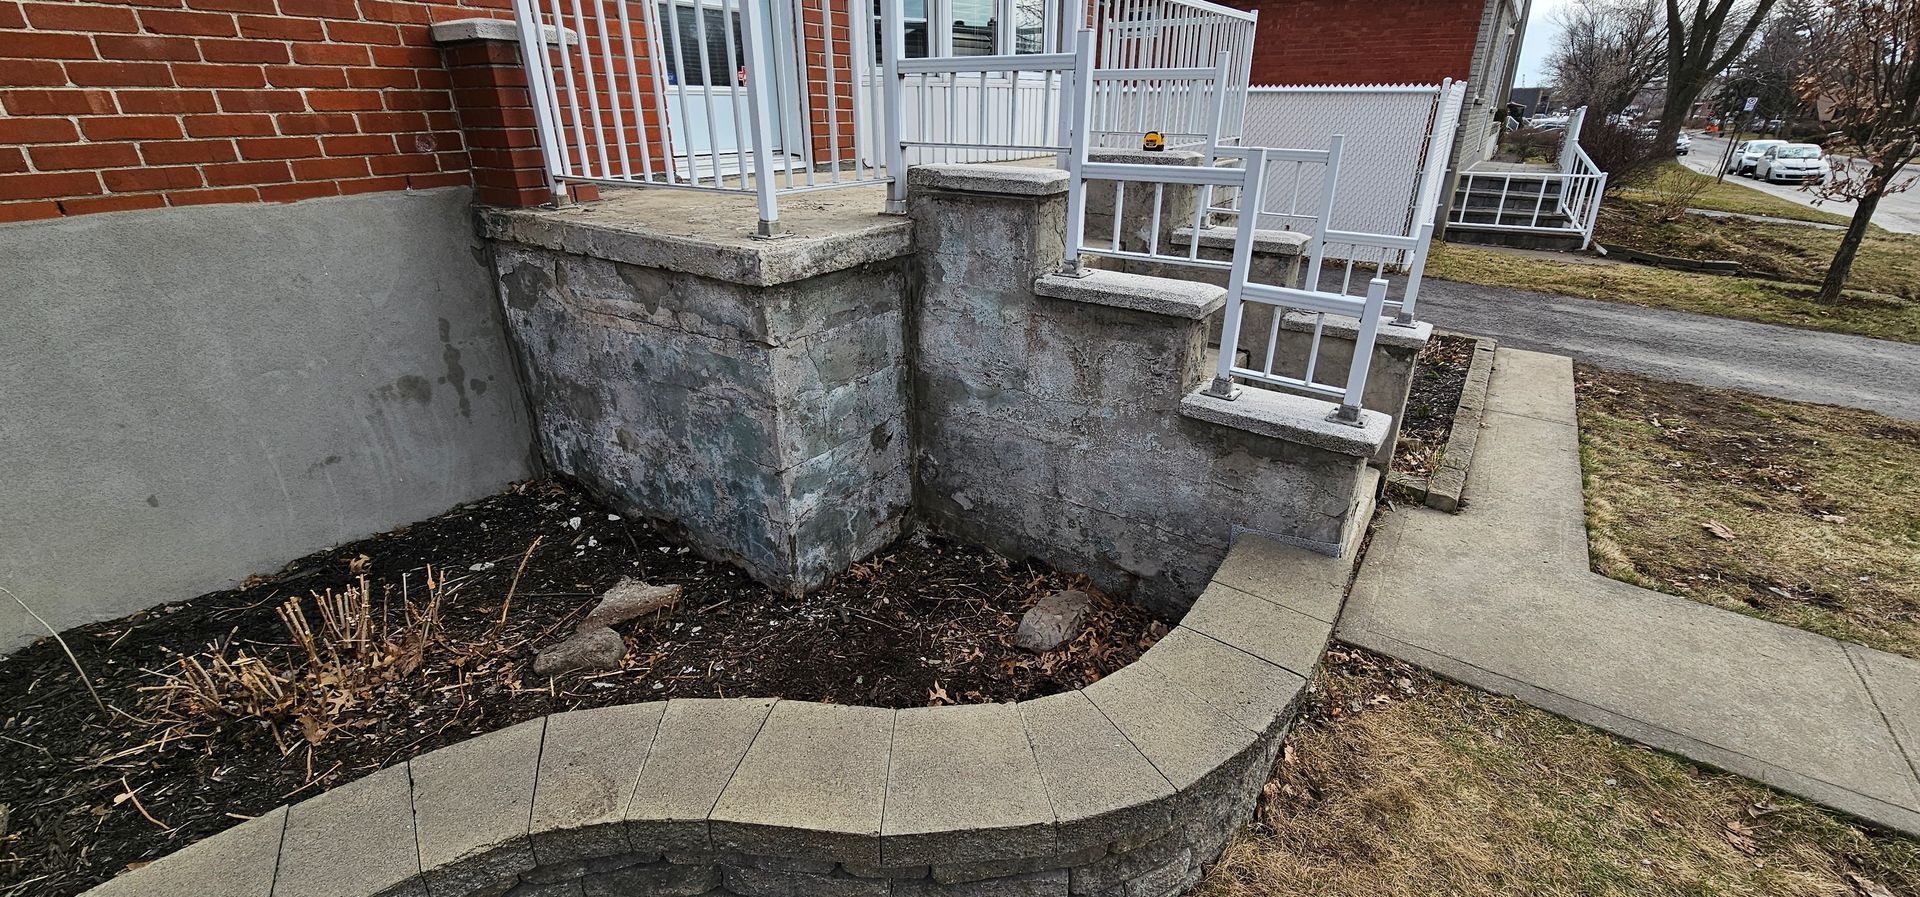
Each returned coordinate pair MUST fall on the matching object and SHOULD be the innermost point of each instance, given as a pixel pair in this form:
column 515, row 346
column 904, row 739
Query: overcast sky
column 1542, row 27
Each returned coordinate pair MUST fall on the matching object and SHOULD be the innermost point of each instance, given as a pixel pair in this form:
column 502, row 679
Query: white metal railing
column 1171, row 34
column 1562, row 201
column 984, row 108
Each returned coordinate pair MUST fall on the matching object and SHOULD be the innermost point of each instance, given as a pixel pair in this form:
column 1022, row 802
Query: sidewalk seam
column 1906, row 750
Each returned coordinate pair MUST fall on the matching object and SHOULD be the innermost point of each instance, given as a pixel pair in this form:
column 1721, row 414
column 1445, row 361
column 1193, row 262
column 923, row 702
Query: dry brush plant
column 348, row 646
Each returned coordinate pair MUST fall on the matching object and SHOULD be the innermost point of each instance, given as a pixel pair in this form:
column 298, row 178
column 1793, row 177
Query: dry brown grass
column 1396, row 783
column 1807, row 515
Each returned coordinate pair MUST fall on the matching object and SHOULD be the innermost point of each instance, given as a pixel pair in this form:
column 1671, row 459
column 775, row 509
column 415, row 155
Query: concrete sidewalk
column 1500, row 597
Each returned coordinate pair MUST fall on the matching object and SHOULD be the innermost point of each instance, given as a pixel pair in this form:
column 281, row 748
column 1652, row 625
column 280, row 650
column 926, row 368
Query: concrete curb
column 1128, row 788
column 1442, row 490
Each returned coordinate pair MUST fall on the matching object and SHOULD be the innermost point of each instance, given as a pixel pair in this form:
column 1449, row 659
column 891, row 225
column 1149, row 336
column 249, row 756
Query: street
column 1899, row 212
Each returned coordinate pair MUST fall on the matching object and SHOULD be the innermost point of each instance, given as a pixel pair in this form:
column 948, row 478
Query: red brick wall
column 144, row 103
column 1363, row 41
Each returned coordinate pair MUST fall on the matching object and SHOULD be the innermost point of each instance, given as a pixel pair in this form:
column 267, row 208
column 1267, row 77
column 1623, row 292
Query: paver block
column 1099, row 784
column 1183, row 736
column 1253, row 691
column 238, row 862
column 353, row 841
column 1285, row 638
column 471, row 802
column 1294, row 578
column 747, row 881
column 1118, row 869
column 1048, row 883
column 983, row 870
column 589, row 764
column 964, row 786
column 695, row 751
column 653, row 880
column 812, row 785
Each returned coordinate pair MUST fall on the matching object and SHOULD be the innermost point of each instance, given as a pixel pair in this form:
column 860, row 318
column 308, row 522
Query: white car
column 1792, row 162
column 1683, row 145
column 1747, row 155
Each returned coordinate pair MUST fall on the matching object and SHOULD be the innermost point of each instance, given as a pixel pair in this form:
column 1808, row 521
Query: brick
column 330, row 169
column 58, row 102
column 48, row 185
column 330, row 54
column 441, row 179
column 299, row 191
column 344, row 100
column 132, row 180
column 362, row 33
column 357, row 145
column 321, row 9
column 39, row 130
column 372, row 185
column 167, row 101
column 382, row 77
column 11, row 16
column 30, row 45
column 144, row 47
column 279, row 147
column 261, row 101
column 385, row 11
column 205, row 197
column 131, row 127
column 208, row 75
column 13, row 160
column 407, row 57
column 281, row 28
column 81, row 17
column 235, row 125
column 61, row 157
column 234, row 173
column 471, row 802
column 373, row 122
column 119, row 74
column 163, row 21
column 317, row 123
column 418, row 99
column 31, row 73
column 188, row 152
column 244, row 51
column 112, row 204
column 28, row 211
column 511, row 198
column 309, row 76
column 259, row 6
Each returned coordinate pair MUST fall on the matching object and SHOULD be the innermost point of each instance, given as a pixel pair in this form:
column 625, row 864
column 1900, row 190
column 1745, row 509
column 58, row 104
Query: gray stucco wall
column 193, row 395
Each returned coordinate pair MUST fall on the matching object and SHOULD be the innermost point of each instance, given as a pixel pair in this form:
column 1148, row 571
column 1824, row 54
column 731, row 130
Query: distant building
column 1532, row 100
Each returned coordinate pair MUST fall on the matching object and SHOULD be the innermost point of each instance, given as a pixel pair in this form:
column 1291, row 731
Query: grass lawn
column 1878, row 315
column 1803, row 514
column 1397, row 783
column 1732, row 196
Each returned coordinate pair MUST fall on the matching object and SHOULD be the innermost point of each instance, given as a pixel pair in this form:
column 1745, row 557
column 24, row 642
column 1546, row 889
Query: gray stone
column 568, row 888
column 590, row 762
column 471, row 802
column 1182, row 735
column 985, row 870
column 655, row 880
column 752, row 882
column 628, row 599
column 1053, row 621
column 352, row 841
column 1275, row 634
column 598, row 648
column 1119, row 869
column 574, row 870
column 1003, row 179
column 1099, row 784
column 1293, row 418
column 892, row 872
column 963, row 786
column 811, row 786
column 1183, row 299
column 238, row 862
column 1303, row 581
column 1047, row 883
column 1275, row 242
column 1256, row 692
column 695, row 752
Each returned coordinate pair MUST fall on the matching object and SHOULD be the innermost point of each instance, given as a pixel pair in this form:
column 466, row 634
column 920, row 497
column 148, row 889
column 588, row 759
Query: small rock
column 628, row 599
column 598, row 648
column 1053, row 622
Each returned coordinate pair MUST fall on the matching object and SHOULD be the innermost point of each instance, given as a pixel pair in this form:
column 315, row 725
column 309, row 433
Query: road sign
column 1752, row 102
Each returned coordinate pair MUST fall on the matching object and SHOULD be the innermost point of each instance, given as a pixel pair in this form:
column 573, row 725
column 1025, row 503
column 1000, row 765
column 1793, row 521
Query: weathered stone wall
column 1055, row 426
column 767, row 421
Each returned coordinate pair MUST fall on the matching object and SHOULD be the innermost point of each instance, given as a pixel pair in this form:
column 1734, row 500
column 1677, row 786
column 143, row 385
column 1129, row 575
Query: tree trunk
column 1849, row 247
column 1673, row 114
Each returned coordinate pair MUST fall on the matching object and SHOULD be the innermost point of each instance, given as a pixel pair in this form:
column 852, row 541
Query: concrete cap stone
column 963, row 786
column 1294, row 578
column 812, row 786
column 1257, row 693
column 1140, row 292
column 589, row 765
column 471, row 803
column 1265, row 240
column 1180, row 734
column 694, row 754
column 1389, row 335
column 1296, row 419
column 1277, row 635
column 1101, row 787
column 454, row 31
column 353, row 841
column 238, row 862
column 1010, row 180
column 1106, row 155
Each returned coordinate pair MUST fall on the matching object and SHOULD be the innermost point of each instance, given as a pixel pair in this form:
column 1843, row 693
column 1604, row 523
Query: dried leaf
column 1718, row 529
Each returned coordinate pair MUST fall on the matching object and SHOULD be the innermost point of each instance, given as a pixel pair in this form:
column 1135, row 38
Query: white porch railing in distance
column 1172, row 34
column 1564, row 201
column 745, row 96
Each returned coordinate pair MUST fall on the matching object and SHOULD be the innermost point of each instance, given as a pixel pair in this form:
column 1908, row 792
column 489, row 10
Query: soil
column 85, row 794
column 1439, row 376
column 1761, row 250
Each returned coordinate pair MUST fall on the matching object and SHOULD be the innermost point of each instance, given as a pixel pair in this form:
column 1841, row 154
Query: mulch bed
column 85, row 793
column 1439, row 376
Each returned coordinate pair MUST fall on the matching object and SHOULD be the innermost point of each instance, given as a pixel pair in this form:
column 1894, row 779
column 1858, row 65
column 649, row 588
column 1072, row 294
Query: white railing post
column 760, row 102
column 893, row 46
column 1329, row 193
column 1416, row 269
column 1363, row 339
column 1077, row 154
column 533, row 59
column 1239, row 274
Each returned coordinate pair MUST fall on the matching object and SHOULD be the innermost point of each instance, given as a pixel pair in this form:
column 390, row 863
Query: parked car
column 1747, row 154
column 1683, row 145
column 1792, row 162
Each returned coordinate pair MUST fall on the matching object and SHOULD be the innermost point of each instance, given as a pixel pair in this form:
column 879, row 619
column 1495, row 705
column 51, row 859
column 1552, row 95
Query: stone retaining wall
column 1128, row 788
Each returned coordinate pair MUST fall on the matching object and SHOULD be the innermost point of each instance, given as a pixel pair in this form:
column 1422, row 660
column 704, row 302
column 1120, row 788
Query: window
column 1029, row 26
column 915, row 18
column 725, row 53
column 974, row 31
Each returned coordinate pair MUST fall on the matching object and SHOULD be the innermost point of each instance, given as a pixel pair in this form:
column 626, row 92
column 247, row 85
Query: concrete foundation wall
column 768, row 423
column 195, row 395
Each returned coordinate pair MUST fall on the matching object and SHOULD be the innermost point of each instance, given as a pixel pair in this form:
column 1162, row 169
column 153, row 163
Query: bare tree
column 1607, row 51
column 1864, row 78
column 1699, row 48
column 1771, row 69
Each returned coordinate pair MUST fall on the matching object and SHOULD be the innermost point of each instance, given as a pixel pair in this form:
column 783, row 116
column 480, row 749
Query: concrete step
column 1484, row 235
